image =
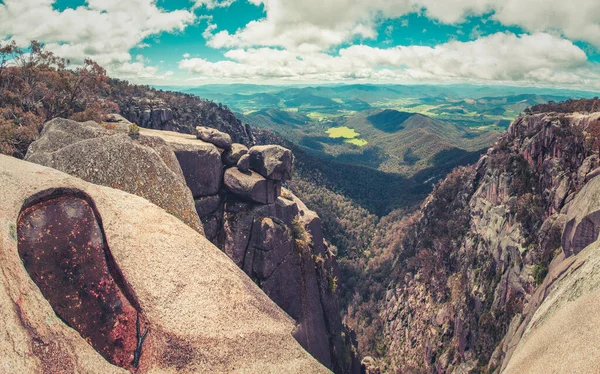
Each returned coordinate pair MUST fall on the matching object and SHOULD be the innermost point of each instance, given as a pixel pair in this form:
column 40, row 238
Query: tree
column 36, row 86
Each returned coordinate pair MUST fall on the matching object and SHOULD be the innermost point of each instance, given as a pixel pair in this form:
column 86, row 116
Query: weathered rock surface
column 202, row 313
column 207, row 205
column 111, row 158
column 272, row 161
column 583, row 219
column 252, row 186
column 63, row 248
column 281, row 247
column 561, row 334
column 200, row 162
column 473, row 262
column 182, row 113
column 214, row 136
column 243, row 163
column 233, row 155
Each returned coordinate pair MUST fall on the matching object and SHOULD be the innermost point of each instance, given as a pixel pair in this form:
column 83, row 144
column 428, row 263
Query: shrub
column 333, row 283
column 134, row 130
column 36, row 86
column 539, row 273
column 302, row 238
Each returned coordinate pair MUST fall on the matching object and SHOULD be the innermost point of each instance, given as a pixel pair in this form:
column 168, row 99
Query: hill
column 387, row 140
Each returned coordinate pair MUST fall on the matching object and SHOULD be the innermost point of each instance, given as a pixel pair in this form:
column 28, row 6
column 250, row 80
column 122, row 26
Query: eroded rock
column 111, row 158
column 214, row 136
column 272, row 161
column 63, row 248
column 243, row 163
column 252, row 186
column 233, row 155
column 201, row 166
column 208, row 204
column 583, row 219
column 280, row 247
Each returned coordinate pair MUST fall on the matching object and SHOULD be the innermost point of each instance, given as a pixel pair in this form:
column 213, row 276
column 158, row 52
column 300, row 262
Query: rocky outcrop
column 182, row 113
column 272, row 161
column 281, row 247
column 96, row 280
column 107, row 155
column 471, row 268
column 582, row 219
column 232, row 156
column 200, row 161
column 252, row 186
column 272, row 237
column 559, row 328
column 243, row 163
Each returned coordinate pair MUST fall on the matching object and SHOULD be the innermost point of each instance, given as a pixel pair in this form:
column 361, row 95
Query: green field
column 350, row 135
column 342, row 132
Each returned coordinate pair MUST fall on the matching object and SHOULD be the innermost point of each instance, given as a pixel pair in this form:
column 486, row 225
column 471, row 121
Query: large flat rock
column 203, row 314
column 145, row 166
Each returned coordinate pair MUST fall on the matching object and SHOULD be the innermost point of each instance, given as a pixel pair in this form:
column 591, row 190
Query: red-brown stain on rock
column 62, row 246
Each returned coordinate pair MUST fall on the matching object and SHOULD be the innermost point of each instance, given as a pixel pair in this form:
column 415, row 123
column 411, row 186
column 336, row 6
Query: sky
column 545, row 43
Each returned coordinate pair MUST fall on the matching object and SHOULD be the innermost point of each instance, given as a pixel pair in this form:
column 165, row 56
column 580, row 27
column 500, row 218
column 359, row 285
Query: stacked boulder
column 269, row 233
column 259, row 173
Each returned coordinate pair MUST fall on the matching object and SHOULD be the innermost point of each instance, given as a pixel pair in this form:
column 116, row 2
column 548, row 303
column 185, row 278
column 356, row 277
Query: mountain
column 365, row 220
column 478, row 279
column 387, row 140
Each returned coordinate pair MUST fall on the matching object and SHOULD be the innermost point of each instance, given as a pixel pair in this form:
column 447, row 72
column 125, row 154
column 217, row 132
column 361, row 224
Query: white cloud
column 575, row 19
column 319, row 25
column 310, row 25
column 211, row 4
column 540, row 58
column 105, row 30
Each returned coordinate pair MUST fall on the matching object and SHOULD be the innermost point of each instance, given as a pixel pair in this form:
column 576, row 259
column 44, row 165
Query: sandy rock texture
column 106, row 155
column 202, row 313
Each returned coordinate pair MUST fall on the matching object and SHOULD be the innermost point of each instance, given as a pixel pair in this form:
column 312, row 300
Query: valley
column 396, row 129
column 381, row 229
column 299, row 187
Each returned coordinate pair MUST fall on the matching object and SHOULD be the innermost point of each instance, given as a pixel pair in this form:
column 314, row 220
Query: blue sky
column 192, row 42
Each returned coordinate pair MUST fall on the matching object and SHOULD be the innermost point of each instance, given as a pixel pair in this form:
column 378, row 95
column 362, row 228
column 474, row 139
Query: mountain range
column 346, row 229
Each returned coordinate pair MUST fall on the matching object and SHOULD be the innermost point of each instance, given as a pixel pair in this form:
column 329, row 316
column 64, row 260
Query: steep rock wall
column 469, row 263
column 271, row 235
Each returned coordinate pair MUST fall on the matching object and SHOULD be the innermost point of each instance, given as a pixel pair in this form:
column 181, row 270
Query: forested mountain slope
column 448, row 283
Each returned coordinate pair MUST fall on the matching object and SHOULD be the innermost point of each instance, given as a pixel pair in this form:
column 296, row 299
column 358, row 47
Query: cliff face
column 465, row 269
column 182, row 113
column 238, row 202
column 272, row 236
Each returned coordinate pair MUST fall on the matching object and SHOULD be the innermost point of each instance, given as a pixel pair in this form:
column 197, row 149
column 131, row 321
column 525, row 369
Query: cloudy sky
column 191, row 42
